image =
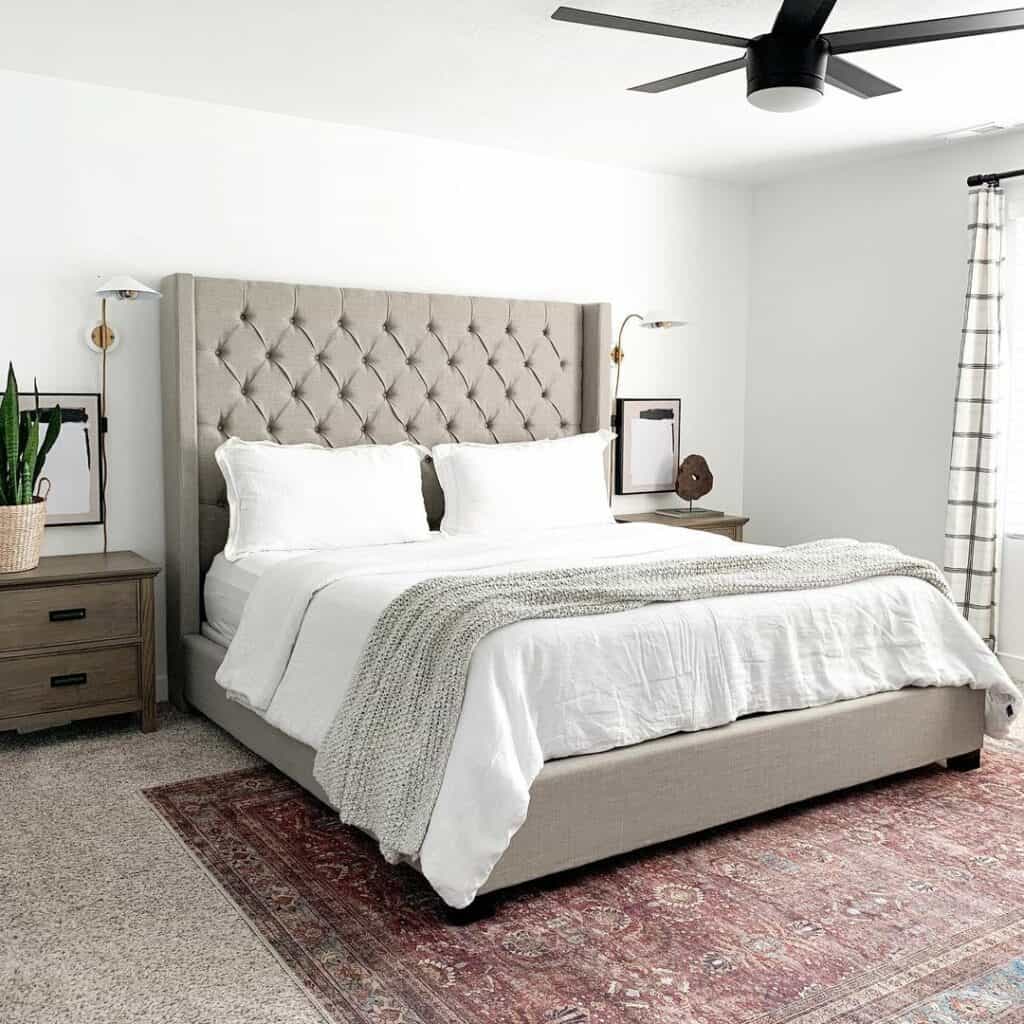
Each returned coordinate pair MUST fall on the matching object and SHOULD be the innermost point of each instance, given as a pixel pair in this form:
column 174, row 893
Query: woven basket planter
column 21, row 535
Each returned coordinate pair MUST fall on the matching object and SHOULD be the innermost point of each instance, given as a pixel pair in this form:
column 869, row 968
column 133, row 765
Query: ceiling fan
column 787, row 68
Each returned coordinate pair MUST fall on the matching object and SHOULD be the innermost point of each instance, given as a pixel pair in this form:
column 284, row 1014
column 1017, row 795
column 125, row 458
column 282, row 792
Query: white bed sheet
column 544, row 689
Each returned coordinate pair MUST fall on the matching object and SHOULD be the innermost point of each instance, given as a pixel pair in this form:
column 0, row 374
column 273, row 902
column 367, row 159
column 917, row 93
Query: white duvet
column 539, row 690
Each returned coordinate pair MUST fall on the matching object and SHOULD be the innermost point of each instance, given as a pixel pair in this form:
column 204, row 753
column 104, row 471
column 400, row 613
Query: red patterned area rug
column 898, row 902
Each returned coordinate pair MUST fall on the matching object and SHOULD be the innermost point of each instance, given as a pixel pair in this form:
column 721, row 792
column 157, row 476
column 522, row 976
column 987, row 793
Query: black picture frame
column 627, row 411
column 81, row 407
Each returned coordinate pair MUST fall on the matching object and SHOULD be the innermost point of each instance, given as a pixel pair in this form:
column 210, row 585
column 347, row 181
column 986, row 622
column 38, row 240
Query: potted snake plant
column 22, row 457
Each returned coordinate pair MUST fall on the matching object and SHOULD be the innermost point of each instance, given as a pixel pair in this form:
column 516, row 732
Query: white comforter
column 539, row 690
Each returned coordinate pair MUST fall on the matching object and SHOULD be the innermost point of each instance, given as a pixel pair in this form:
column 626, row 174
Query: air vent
column 986, row 128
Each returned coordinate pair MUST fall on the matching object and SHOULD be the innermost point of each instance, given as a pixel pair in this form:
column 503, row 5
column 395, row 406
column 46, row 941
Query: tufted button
column 545, row 393
column 243, row 316
column 450, row 426
column 564, row 424
column 562, row 363
column 451, row 362
column 362, row 429
column 490, row 423
column 431, row 326
column 491, row 361
column 220, row 426
column 271, row 353
column 386, row 325
column 295, row 392
column 527, row 363
column 365, row 360
column 546, row 332
column 319, row 357
column 341, row 321
column 471, row 328
column 409, row 361
column 343, row 394
column 318, row 429
column 508, row 330
column 508, row 392
column 471, row 395
column 293, row 320
column 390, row 393
column 527, row 424
column 244, row 389
column 431, row 394
column 219, row 352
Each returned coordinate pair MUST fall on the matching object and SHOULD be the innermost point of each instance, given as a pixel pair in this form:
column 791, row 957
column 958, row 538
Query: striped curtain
column 973, row 536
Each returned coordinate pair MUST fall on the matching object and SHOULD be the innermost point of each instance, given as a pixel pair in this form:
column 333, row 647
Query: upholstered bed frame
column 310, row 364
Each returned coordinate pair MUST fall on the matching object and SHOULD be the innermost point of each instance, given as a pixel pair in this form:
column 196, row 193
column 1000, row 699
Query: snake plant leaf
column 23, row 435
column 28, row 462
column 11, row 429
column 54, row 422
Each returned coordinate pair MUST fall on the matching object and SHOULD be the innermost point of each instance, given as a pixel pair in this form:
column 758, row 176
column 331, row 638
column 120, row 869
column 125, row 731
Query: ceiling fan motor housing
column 775, row 61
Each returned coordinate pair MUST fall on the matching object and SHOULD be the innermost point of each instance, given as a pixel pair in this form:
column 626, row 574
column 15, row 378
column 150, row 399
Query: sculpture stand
column 687, row 513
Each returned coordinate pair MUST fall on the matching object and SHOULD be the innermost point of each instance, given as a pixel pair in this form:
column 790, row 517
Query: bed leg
column 965, row 762
column 480, row 909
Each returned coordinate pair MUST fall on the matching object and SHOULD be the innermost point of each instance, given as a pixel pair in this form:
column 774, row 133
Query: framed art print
column 647, row 450
column 73, row 467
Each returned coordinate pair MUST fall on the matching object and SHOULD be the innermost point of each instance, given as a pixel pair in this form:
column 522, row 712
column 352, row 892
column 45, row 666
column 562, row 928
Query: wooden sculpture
column 694, row 479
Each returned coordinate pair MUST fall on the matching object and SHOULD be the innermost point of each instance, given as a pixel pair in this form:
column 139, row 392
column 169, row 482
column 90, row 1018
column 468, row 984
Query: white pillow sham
column 304, row 496
column 529, row 485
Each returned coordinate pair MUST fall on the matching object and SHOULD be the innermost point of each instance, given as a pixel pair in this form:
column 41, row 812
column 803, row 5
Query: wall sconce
column 655, row 319
column 103, row 340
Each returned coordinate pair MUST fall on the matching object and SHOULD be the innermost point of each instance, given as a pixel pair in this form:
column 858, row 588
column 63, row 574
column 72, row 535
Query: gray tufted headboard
column 340, row 366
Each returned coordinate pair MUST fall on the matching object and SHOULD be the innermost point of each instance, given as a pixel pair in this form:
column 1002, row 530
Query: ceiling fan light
column 784, row 74
column 785, row 99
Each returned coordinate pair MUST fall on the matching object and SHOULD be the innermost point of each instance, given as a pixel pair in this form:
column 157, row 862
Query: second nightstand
column 726, row 525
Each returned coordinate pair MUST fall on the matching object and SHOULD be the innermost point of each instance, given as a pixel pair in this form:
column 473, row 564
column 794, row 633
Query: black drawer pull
column 67, row 614
column 72, row 679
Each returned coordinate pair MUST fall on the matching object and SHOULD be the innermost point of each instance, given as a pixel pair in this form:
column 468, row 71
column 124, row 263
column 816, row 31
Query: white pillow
column 504, row 488
column 294, row 497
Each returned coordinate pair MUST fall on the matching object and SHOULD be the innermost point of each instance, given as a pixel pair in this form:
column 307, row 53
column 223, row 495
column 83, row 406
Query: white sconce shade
column 660, row 319
column 121, row 286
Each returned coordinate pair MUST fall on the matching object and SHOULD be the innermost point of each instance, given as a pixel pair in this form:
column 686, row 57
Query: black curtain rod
column 992, row 179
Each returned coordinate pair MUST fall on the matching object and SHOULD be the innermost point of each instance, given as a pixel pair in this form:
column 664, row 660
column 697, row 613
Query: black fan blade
column 906, row 34
column 674, row 81
column 652, row 28
column 804, row 18
column 852, row 79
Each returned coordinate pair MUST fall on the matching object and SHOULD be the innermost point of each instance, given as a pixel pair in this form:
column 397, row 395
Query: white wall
column 856, row 307
column 97, row 181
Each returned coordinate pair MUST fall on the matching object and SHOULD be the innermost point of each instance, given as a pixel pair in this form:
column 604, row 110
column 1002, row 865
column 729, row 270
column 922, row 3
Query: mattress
column 227, row 588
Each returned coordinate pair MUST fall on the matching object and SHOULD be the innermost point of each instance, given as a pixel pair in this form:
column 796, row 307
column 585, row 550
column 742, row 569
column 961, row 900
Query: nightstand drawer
column 57, row 682
column 45, row 616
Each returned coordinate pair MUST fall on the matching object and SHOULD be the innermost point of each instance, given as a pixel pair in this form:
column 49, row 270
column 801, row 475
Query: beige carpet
column 104, row 916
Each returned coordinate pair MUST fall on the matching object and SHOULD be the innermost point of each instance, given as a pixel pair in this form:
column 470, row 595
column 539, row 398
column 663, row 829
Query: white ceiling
column 500, row 72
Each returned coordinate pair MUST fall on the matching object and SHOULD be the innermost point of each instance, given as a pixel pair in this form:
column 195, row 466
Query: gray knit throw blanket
column 384, row 756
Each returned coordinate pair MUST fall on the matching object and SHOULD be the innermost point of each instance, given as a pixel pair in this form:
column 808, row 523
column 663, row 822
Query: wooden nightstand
column 726, row 525
column 77, row 641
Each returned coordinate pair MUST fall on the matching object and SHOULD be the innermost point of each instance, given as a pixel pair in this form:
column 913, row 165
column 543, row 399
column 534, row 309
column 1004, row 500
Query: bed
column 310, row 364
